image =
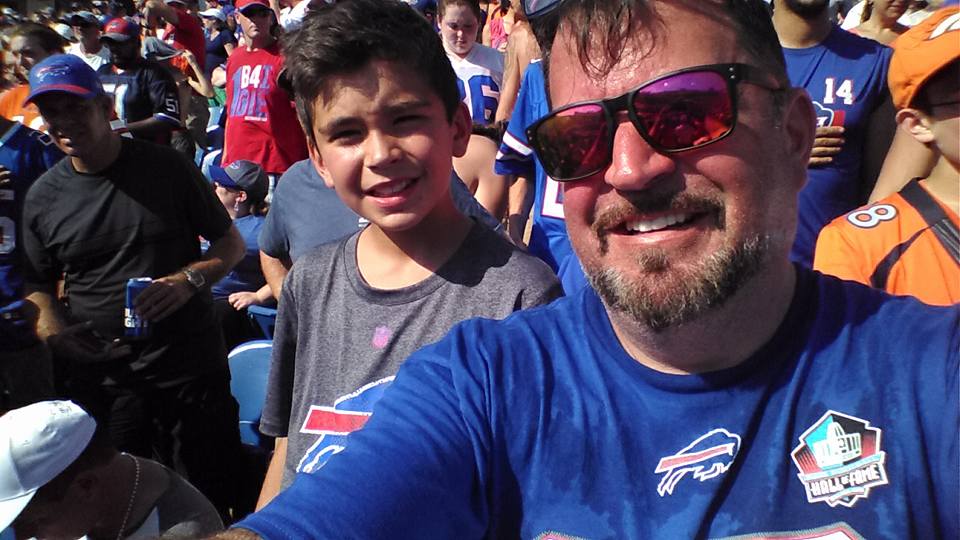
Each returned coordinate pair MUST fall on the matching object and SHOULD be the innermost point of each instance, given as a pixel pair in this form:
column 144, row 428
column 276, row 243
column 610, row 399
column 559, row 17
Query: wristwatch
column 195, row 278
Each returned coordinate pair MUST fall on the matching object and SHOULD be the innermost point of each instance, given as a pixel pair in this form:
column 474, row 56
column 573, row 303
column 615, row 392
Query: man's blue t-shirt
column 27, row 154
column 541, row 426
column 247, row 274
column 304, row 214
column 846, row 77
column 548, row 234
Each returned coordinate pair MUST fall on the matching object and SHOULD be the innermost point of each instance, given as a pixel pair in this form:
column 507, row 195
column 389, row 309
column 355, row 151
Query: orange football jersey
column 890, row 245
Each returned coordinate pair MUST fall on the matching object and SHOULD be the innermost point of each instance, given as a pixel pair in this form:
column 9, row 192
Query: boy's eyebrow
column 393, row 109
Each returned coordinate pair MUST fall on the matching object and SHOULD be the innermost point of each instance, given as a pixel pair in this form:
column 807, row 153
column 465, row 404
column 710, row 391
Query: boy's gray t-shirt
column 338, row 342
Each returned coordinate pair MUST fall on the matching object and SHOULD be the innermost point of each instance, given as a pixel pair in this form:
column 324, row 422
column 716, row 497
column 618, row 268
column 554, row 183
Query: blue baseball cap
column 242, row 175
column 64, row 73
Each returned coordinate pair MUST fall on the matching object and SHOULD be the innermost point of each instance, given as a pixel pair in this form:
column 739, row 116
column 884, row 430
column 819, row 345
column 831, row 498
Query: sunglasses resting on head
column 674, row 112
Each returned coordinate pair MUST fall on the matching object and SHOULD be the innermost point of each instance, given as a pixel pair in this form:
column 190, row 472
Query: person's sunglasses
column 678, row 111
column 256, row 13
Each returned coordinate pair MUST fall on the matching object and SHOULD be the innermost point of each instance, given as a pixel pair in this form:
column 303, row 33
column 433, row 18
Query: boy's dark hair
column 344, row 37
column 46, row 37
column 472, row 5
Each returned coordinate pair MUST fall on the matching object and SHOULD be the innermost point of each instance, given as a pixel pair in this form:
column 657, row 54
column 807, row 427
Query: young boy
column 383, row 118
column 908, row 243
column 479, row 68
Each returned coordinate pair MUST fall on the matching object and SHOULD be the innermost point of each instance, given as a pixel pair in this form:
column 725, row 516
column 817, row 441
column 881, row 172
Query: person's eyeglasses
column 678, row 111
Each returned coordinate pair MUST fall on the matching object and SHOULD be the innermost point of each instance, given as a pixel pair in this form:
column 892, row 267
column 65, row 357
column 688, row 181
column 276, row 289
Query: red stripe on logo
column 327, row 420
column 675, row 461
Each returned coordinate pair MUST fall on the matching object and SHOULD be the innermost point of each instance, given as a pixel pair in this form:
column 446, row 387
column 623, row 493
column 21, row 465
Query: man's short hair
column 47, row 38
column 472, row 5
column 342, row 38
column 603, row 29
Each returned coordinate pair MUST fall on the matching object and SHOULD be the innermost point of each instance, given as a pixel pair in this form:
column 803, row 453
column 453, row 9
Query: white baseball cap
column 38, row 442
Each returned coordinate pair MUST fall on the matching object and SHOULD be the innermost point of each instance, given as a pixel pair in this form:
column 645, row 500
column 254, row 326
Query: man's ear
column 462, row 124
column 242, row 196
column 317, row 162
column 915, row 123
column 799, row 125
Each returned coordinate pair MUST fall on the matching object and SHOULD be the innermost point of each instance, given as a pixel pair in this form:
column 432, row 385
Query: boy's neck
column 393, row 260
column 944, row 184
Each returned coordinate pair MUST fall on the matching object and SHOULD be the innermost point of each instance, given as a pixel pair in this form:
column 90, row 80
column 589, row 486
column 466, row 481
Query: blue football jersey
column 548, row 235
column 27, row 154
column 845, row 77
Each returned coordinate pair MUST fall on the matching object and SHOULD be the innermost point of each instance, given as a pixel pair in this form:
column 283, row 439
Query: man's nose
column 635, row 164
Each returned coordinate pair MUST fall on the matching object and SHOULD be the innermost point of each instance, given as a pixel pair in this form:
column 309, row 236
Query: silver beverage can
column 133, row 324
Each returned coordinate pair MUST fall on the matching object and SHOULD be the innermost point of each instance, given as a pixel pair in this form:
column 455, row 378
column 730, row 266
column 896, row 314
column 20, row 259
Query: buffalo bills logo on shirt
column 708, row 456
column 828, row 117
column 839, row 459
column 333, row 424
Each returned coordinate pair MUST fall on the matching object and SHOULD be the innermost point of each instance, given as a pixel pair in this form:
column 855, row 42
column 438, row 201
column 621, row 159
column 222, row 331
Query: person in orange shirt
column 29, row 43
column 908, row 243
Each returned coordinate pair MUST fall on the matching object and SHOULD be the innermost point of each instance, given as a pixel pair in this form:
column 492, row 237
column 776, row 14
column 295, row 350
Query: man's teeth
column 655, row 225
column 392, row 189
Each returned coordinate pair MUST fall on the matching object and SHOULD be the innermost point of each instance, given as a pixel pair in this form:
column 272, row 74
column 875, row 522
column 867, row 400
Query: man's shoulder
column 856, row 48
column 869, row 318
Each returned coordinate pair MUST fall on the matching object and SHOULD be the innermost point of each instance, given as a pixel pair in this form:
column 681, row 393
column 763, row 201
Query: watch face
column 195, row 278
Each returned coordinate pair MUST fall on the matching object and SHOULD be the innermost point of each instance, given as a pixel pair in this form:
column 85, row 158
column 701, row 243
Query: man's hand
column 81, row 344
column 164, row 296
column 828, row 143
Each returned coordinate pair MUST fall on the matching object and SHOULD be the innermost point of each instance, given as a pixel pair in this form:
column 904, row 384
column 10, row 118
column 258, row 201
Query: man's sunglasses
column 678, row 111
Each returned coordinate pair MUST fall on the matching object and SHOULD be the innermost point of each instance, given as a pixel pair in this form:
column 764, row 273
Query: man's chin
column 665, row 295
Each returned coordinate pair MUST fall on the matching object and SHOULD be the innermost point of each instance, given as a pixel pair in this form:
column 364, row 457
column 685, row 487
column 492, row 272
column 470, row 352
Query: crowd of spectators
column 368, row 174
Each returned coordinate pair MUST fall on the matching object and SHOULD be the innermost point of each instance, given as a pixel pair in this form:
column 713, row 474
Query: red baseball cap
column 242, row 5
column 121, row 29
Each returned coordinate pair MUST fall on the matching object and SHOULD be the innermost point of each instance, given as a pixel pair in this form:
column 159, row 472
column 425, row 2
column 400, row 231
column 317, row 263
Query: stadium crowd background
column 224, row 105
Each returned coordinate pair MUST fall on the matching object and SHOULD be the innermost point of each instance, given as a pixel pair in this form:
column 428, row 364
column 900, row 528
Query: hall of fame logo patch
column 840, row 460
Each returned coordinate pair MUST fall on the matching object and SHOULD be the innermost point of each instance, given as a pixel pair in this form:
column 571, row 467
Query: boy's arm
column 274, row 270
column 271, row 483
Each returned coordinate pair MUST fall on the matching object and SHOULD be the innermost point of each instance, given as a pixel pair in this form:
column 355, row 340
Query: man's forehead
column 672, row 36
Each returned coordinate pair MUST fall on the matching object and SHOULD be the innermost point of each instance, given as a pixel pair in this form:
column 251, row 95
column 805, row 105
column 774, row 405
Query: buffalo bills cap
column 38, row 442
column 64, row 73
column 244, row 175
column 922, row 51
column 121, row 29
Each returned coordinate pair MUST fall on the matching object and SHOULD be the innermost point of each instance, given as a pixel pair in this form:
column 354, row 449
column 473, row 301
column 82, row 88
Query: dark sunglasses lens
column 573, row 143
column 686, row 110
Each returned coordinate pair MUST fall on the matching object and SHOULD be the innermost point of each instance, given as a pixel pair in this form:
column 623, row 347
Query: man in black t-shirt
column 145, row 94
column 117, row 209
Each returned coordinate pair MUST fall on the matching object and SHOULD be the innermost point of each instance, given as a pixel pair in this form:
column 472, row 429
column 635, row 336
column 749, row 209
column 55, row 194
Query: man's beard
column 808, row 9
column 686, row 295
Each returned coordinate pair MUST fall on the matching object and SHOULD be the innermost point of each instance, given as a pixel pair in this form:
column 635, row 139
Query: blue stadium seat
column 249, row 367
column 265, row 317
